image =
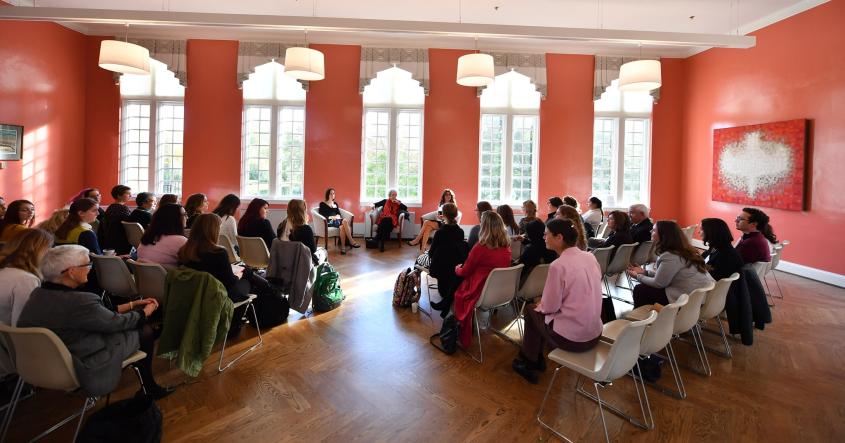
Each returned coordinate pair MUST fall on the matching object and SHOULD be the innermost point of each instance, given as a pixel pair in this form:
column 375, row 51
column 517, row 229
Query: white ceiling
column 717, row 17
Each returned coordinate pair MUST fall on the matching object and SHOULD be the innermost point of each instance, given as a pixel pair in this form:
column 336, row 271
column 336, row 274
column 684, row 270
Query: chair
column 618, row 265
column 134, row 232
column 713, row 306
column 602, row 232
column 499, row 290
column 531, row 289
column 689, row 231
column 775, row 262
column 643, row 254
column 432, row 216
column 254, row 252
column 226, row 244
column 658, row 336
column 603, row 257
column 762, row 268
column 42, row 360
column 603, row 364
column 114, row 277
column 403, row 218
column 322, row 228
column 249, row 305
column 150, row 279
column 516, row 249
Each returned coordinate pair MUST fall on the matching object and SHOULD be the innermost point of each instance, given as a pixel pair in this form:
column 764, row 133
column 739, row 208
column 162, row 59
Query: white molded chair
column 113, row 276
column 134, row 232
column 620, row 262
column 150, row 278
column 603, row 364
column 762, row 268
column 530, row 290
column 603, row 257
column 226, row 244
column 403, row 219
column 643, row 255
column 602, row 231
column 499, row 290
column 776, row 261
column 254, row 252
column 714, row 304
column 249, row 305
column 322, row 228
column 43, row 361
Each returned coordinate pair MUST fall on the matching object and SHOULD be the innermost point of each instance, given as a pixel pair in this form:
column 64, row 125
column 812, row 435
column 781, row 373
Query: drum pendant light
column 640, row 75
column 124, row 57
column 304, row 63
column 475, row 70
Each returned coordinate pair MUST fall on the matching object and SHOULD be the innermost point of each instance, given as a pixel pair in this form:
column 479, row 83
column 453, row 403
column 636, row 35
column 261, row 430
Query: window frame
column 506, row 186
column 617, row 169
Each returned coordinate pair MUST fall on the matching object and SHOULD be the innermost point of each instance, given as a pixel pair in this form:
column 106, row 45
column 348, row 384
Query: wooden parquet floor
column 366, row 372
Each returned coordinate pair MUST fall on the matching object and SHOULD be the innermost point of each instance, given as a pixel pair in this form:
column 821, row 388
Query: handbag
column 136, row 420
column 424, row 260
column 448, row 335
column 371, row 243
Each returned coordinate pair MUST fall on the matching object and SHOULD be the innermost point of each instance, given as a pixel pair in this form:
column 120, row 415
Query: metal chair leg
column 480, row 358
column 601, row 411
column 10, row 410
column 543, row 405
column 85, row 407
column 648, row 418
column 615, row 410
column 220, row 367
column 89, row 403
column 676, row 372
column 780, row 291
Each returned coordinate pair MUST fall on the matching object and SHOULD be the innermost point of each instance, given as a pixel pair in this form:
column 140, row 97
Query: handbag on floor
column 406, row 290
column 136, row 420
column 448, row 335
column 371, row 243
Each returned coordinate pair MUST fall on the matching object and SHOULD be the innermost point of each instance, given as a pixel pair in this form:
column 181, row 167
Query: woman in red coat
column 492, row 251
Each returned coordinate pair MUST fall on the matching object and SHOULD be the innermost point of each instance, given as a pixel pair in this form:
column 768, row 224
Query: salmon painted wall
column 796, row 70
column 102, row 123
column 212, row 142
column 42, row 80
column 451, row 128
column 667, row 137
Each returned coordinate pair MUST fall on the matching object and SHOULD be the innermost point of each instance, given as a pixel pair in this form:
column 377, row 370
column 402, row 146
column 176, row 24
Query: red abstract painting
column 761, row 165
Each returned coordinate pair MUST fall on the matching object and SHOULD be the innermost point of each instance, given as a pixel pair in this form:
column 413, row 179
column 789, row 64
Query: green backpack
column 327, row 293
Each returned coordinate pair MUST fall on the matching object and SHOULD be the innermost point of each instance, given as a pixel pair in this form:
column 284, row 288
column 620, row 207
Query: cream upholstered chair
column 150, row 278
column 226, row 244
column 432, row 216
column 620, row 262
column 43, row 361
column 403, row 219
column 113, row 276
column 322, row 228
column 499, row 290
column 658, row 336
column 689, row 231
column 254, row 252
column 714, row 304
column 603, row 364
column 134, row 232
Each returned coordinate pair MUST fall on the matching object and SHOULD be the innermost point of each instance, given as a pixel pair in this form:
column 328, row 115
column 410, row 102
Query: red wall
column 41, row 87
column 666, row 140
column 797, row 70
column 102, row 123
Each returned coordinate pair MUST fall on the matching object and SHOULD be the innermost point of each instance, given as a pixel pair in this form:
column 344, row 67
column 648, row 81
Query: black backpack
column 136, row 420
column 448, row 335
column 271, row 307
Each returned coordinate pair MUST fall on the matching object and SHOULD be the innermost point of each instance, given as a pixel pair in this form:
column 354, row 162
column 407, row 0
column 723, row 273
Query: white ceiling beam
column 317, row 24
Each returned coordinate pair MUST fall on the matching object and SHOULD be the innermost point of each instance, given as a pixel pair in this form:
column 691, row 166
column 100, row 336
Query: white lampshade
column 640, row 75
column 124, row 57
column 305, row 64
column 475, row 70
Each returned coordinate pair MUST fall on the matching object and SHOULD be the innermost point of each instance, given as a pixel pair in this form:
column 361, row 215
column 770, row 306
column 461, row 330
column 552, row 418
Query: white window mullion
column 507, row 161
column 392, row 157
column 274, row 148
column 153, row 152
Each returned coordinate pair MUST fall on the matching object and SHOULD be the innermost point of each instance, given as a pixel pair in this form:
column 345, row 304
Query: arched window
column 273, row 135
column 151, row 130
column 622, row 146
column 509, row 144
column 393, row 130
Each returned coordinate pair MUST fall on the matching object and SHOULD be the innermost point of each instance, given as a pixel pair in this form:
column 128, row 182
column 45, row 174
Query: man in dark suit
column 641, row 224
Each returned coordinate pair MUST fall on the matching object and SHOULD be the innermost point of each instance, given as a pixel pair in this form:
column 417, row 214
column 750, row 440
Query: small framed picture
column 11, row 142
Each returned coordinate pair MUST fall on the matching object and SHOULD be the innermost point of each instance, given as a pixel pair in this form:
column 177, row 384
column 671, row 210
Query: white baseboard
column 830, row 278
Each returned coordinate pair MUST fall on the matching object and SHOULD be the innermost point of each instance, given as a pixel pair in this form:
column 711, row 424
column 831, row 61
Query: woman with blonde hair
column 20, row 271
column 52, row 224
column 492, row 251
column 295, row 227
column 429, row 226
column 566, row 212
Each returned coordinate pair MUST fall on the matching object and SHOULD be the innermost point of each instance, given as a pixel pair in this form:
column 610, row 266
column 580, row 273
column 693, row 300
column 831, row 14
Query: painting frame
column 762, row 165
column 11, row 142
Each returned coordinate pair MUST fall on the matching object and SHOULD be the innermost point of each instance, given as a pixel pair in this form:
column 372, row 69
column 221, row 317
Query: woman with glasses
column 757, row 234
column 98, row 338
column 165, row 236
column 19, row 216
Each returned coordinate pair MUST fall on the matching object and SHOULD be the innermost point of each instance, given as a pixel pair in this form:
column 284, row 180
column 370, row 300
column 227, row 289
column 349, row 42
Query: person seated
column 2, row 208
column 640, row 223
column 594, row 215
column 18, row 217
column 721, row 256
column 195, row 205
column 448, row 250
column 165, row 236
column 566, row 212
column 143, row 214
column 254, row 222
column 226, row 210
column 480, row 208
column 757, row 233
column 295, row 227
column 331, row 211
column 554, row 203
column 492, row 251
column 678, row 269
column 506, row 213
column 569, row 313
column 535, row 251
column 20, row 271
column 201, row 252
column 93, row 194
column 620, row 233
column 529, row 208
column 98, row 338
column 168, row 199
column 112, row 234
column 388, row 218
column 76, row 230
column 429, row 226
column 56, row 219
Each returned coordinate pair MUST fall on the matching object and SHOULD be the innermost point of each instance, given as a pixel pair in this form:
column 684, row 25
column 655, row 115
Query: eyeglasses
column 88, row 265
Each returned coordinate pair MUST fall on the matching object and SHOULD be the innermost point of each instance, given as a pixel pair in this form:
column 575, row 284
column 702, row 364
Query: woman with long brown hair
column 195, row 205
column 508, row 219
column 254, row 222
column 20, row 271
column 295, row 227
column 19, row 216
column 679, row 268
column 333, row 214
column 201, row 252
column 76, row 230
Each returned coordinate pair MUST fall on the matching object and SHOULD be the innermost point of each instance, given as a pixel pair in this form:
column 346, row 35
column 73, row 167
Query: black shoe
column 521, row 368
column 159, row 392
column 355, row 245
column 437, row 305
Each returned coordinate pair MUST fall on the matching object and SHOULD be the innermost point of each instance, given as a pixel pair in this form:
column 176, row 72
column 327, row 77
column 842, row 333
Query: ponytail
column 762, row 220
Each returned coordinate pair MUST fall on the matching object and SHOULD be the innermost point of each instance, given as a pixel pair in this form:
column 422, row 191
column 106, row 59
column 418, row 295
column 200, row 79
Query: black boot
column 381, row 245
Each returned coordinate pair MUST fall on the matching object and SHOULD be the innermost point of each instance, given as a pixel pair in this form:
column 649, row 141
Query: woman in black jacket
column 448, row 249
column 254, row 222
column 295, row 227
column 201, row 252
column 721, row 257
column 535, row 251
column 619, row 225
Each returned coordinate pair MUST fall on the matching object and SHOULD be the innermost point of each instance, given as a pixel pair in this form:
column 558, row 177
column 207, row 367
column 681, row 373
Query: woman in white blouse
column 227, row 209
column 594, row 216
column 20, row 263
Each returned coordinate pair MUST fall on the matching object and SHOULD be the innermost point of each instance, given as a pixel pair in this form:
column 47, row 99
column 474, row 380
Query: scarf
column 390, row 210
